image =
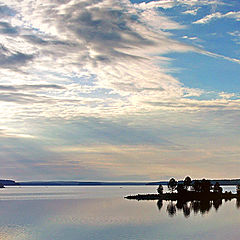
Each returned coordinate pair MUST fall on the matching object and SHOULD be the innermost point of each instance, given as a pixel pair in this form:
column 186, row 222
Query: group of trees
column 203, row 186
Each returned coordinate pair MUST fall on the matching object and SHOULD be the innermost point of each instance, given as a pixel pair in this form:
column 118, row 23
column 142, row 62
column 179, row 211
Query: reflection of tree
column 238, row 203
column 217, row 203
column 171, row 209
column 159, row 204
column 186, row 210
column 179, row 205
column 205, row 206
column 195, row 206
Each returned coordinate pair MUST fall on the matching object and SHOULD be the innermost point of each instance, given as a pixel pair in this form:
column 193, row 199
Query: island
column 189, row 190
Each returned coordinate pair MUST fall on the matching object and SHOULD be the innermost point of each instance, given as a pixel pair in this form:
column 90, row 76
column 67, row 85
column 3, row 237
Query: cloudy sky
column 119, row 90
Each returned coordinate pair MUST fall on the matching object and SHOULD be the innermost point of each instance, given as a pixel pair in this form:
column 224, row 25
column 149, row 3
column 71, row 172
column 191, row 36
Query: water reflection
column 238, row 203
column 197, row 207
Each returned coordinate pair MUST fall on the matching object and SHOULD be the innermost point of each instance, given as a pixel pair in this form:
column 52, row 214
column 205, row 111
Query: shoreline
column 189, row 196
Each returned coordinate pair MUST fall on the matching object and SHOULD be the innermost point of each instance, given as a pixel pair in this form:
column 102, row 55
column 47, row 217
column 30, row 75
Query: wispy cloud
column 191, row 11
column 115, row 43
column 172, row 3
column 86, row 86
column 111, row 51
column 218, row 15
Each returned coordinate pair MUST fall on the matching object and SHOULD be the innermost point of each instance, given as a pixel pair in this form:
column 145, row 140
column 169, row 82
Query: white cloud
column 218, row 15
column 191, row 11
column 111, row 45
column 90, row 58
column 165, row 4
column 235, row 33
column 190, row 38
column 227, row 95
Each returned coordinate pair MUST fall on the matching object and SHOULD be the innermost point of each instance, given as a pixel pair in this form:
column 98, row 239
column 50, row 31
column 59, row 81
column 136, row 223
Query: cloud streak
column 218, row 15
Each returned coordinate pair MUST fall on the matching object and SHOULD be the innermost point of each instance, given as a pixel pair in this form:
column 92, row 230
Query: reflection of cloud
column 13, row 232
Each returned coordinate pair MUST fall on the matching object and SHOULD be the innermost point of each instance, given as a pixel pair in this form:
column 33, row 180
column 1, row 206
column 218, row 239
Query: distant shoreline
column 222, row 182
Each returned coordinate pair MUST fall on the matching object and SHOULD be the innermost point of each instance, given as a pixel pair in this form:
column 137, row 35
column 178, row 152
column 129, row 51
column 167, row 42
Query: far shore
column 222, row 182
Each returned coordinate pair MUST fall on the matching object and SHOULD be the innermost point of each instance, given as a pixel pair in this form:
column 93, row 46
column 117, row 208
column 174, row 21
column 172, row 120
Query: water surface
column 101, row 213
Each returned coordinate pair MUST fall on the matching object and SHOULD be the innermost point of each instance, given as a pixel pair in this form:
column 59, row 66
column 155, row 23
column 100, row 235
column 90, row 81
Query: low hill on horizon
column 99, row 183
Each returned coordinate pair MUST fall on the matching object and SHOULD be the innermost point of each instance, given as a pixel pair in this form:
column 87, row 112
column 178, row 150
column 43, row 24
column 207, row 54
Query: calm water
column 101, row 213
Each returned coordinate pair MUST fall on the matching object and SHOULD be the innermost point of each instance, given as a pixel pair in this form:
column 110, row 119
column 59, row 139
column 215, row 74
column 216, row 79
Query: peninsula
column 189, row 190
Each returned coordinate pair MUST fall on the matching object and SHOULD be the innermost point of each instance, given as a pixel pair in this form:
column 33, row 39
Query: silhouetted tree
column 180, row 188
column 172, row 184
column 238, row 189
column 160, row 189
column 187, row 182
column 217, row 188
column 205, row 186
column 196, row 185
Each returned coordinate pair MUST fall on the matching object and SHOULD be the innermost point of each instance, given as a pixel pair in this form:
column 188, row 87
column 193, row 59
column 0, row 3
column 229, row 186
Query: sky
column 119, row 90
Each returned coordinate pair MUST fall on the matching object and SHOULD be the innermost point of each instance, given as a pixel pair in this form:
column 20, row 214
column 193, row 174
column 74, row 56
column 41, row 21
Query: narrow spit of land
column 189, row 196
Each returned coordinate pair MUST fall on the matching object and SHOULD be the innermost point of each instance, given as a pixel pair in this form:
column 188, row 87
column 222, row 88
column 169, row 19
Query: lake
column 102, row 213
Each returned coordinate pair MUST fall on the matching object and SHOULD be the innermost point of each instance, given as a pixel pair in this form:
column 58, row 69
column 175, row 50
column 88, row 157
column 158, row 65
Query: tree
column 196, row 186
column 217, row 188
column 172, row 184
column 205, row 186
column 180, row 188
column 187, row 182
column 160, row 189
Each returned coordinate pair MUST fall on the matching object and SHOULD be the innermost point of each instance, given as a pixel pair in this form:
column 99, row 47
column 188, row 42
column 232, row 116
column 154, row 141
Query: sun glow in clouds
column 106, row 65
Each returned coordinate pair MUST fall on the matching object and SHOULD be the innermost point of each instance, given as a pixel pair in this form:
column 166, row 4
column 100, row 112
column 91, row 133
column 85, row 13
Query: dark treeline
column 189, row 190
column 222, row 182
column 197, row 186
